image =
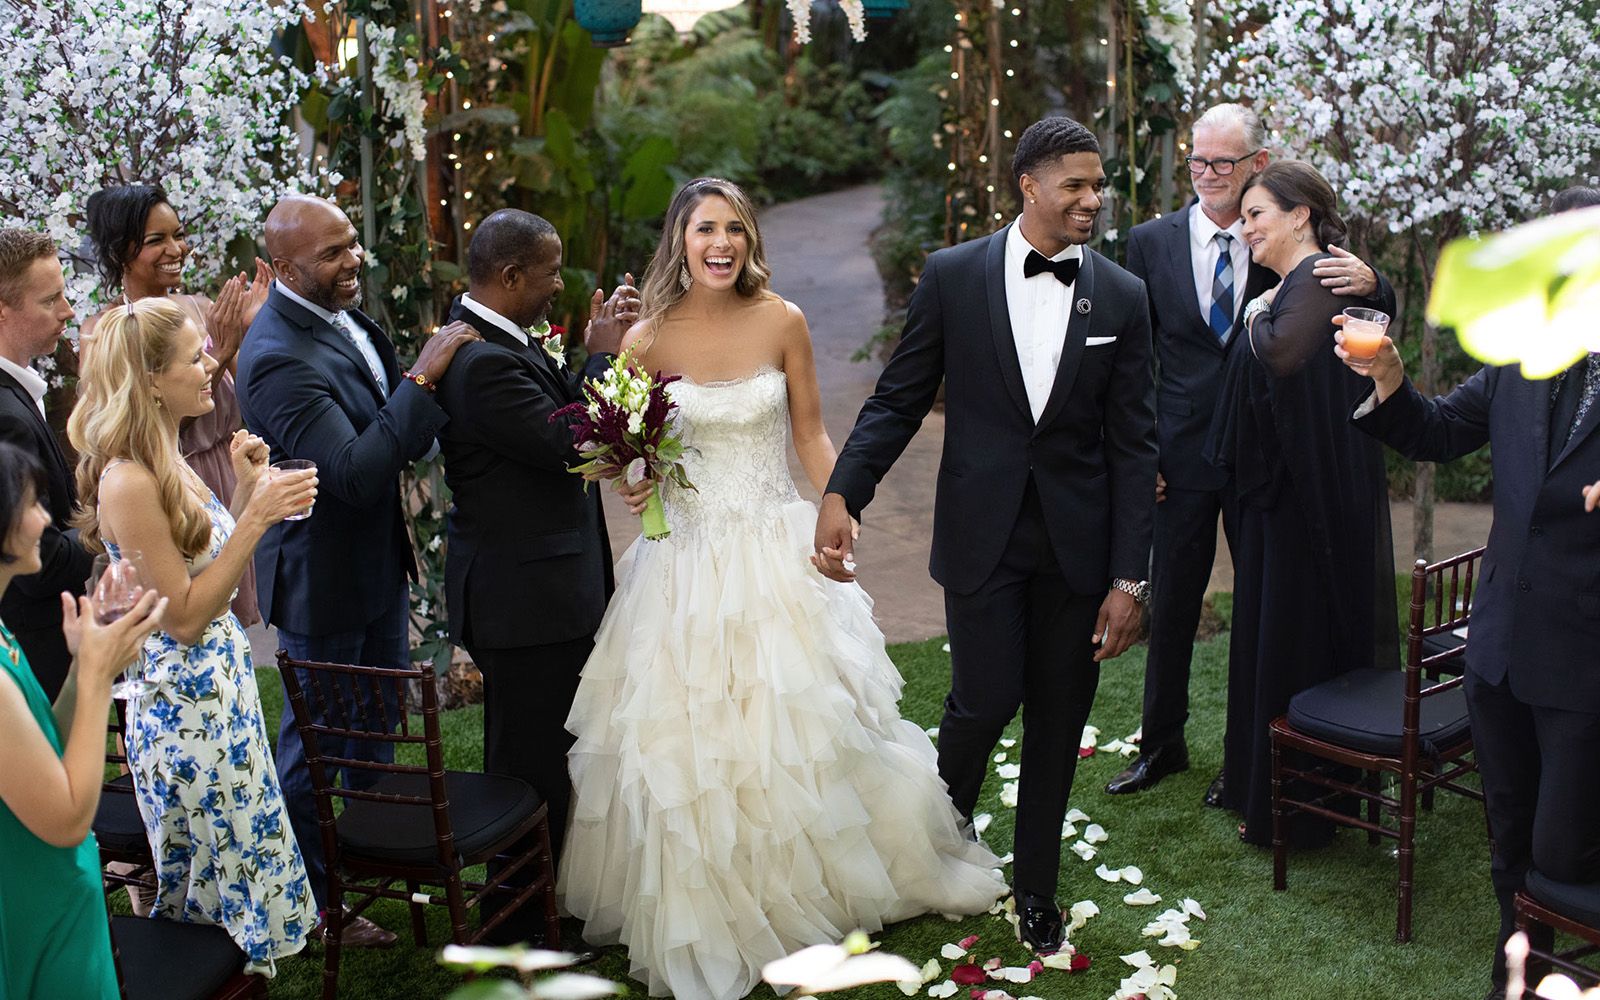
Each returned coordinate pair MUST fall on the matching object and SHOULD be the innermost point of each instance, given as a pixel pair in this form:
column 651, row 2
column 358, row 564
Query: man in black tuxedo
column 33, row 313
column 319, row 380
column 528, row 570
column 1042, row 519
column 1532, row 668
column 1198, row 272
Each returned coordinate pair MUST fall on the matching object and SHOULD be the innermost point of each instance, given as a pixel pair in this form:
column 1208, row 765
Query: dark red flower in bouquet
column 967, row 975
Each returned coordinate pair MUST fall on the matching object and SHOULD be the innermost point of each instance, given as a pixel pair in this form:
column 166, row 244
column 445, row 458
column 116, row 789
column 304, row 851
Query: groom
column 1042, row 518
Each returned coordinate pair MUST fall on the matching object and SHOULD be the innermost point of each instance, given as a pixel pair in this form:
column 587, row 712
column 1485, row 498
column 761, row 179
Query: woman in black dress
column 1313, row 563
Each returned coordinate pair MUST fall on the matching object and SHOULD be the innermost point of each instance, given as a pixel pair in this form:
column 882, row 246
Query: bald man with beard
column 319, row 380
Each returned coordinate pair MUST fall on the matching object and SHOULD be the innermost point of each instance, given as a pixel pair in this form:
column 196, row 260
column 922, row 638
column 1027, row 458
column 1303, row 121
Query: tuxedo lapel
column 1078, row 325
column 43, row 428
column 1590, row 419
column 1540, row 388
column 323, row 332
column 1005, row 342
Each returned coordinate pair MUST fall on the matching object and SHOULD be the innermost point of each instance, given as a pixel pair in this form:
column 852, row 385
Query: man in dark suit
column 1533, row 673
column 319, row 380
column 528, row 570
column 1198, row 272
column 33, row 313
column 1041, row 524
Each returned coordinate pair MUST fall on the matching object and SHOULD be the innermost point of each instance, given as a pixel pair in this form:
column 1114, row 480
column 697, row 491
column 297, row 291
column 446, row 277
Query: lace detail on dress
column 737, row 458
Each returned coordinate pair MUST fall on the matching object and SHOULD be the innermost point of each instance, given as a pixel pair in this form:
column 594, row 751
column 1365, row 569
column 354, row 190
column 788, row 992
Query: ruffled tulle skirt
column 743, row 783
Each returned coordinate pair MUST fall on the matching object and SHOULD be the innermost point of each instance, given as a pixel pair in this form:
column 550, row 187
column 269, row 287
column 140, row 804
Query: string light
column 994, row 102
column 467, row 195
column 490, row 38
column 1013, row 43
column 489, row 155
column 951, row 165
column 457, row 137
column 466, row 105
column 466, row 225
column 955, row 75
column 949, row 48
column 1008, row 133
column 1011, row 72
column 983, row 159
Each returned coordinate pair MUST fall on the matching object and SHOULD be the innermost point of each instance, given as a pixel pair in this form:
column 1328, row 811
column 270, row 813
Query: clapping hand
column 249, row 455
column 610, row 318
column 100, row 652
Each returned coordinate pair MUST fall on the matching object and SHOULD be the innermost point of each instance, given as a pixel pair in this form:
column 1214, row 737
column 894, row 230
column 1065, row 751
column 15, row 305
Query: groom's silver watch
column 1139, row 591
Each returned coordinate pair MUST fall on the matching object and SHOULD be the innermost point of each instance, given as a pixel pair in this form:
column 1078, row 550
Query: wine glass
column 115, row 585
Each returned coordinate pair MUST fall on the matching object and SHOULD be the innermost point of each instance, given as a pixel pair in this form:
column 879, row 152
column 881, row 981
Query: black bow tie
column 1066, row 271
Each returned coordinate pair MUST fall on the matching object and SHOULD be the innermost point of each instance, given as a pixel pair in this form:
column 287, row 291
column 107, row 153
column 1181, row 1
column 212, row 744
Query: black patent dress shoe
column 1151, row 767
column 1039, row 925
column 1217, row 790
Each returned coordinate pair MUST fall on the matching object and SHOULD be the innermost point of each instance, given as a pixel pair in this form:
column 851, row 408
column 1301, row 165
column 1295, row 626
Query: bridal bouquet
column 621, row 429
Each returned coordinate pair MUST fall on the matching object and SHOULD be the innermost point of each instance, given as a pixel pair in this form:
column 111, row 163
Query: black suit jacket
column 1092, row 454
column 529, row 562
column 307, row 391
column 1536, row 613
column 33, row 603
column 1189, row 357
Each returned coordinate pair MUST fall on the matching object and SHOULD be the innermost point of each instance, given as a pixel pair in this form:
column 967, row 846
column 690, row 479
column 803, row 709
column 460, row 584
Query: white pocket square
column 1099, row 341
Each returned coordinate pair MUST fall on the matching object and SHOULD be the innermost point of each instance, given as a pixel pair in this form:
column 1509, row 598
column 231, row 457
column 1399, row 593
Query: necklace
column 10, row 645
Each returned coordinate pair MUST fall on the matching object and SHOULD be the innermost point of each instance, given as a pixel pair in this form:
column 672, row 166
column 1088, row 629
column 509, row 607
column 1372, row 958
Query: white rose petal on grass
column 1137, row 736
column 1082, row 911
column 1083, row 851
column 1108, row 874
column 1193, row 909
column 909, row 988
column 947, row 988
column 1090, row 735
column 1068, row 831
column 1008, row 743
column 946, row 647
column 1139, row 959
column 1013, row 974
column 1076, row 815
column 930, row 970
column 1004, row 859
column 573, row 986
column 1008, row 794
column 981, row 823
column 999, row 758
column 1144, row 897
column 933, row 732
column 1094, row 833
column 953, row 952
column 1132, row 875
column 1009, row 770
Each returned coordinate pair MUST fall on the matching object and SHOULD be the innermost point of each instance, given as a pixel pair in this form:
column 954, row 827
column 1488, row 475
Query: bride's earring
column 684, row 280
column 1299, row 236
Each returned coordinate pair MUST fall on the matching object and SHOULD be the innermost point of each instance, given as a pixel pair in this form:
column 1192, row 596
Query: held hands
column 610, row 318
column 835, row 540
column 441, row 349
column 1386, row 370
column 1117, row 626
column 1345, row 273
column 1161, row 488
column 102, row 651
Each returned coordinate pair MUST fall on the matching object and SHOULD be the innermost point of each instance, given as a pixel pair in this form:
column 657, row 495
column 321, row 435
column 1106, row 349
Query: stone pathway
column 817, row 248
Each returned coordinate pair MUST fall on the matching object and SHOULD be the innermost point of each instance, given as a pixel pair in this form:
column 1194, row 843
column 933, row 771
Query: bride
column 743, row 784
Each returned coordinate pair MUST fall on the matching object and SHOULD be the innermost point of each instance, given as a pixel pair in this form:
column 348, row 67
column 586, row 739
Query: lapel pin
column 1083, row 306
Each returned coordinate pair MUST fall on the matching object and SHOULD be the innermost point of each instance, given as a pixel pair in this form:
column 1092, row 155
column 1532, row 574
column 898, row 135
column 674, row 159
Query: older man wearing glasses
column 1199, row 275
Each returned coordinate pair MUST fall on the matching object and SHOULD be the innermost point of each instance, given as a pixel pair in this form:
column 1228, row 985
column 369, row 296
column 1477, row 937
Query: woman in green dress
column 54, row 936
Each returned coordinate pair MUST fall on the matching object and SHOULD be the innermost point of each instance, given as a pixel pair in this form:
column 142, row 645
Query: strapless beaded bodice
column 736, row 435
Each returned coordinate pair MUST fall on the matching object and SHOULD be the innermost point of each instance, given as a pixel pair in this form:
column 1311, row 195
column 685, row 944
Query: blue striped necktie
column 1222, row 289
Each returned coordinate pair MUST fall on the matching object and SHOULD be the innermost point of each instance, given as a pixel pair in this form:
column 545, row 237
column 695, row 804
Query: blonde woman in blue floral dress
column 197, row 746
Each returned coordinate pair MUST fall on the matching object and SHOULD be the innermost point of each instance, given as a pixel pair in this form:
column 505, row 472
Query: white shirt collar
column 1202, row 230
column 316, row 310
column 498, row 320
column 1017, row 246
column 30, row 380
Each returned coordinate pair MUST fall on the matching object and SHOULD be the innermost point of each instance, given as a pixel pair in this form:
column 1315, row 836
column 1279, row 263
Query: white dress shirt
column 343, row 322
column 1203, row 253
column 31, row 381
column 1039, row 307
column 498, row 320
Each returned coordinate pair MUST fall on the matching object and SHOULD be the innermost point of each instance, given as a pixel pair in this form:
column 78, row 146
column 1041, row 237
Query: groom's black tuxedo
column 1031, row 520
column 528, row 568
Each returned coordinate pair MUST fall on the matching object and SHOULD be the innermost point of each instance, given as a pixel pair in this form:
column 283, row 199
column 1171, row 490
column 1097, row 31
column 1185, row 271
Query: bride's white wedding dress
column 743, row 783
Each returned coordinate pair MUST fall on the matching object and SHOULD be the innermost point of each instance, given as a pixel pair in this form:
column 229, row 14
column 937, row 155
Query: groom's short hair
column 509, row 236
column 1048, row 139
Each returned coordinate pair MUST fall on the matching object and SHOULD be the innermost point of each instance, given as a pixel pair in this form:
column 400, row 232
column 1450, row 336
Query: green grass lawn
column 1330, row 937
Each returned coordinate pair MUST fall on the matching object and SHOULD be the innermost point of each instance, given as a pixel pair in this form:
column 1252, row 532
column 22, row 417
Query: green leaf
column 647, row 180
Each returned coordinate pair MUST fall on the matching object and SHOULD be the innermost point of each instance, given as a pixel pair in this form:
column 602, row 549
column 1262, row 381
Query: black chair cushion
column 166, row 960
column 117, row 824
column 1362, row 709
column 1580, row 902
column 484, row 808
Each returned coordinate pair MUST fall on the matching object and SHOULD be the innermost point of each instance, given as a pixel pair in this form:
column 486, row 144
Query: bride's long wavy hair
column 118, row 416
column 661, row 289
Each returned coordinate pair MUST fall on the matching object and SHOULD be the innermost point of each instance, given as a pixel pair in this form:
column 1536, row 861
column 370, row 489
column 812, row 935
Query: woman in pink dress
column 140, row 249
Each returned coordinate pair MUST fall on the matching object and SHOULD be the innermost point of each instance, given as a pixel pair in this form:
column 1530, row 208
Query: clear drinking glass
column 1364, row 330
column 295, row 465
column 115, row 586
